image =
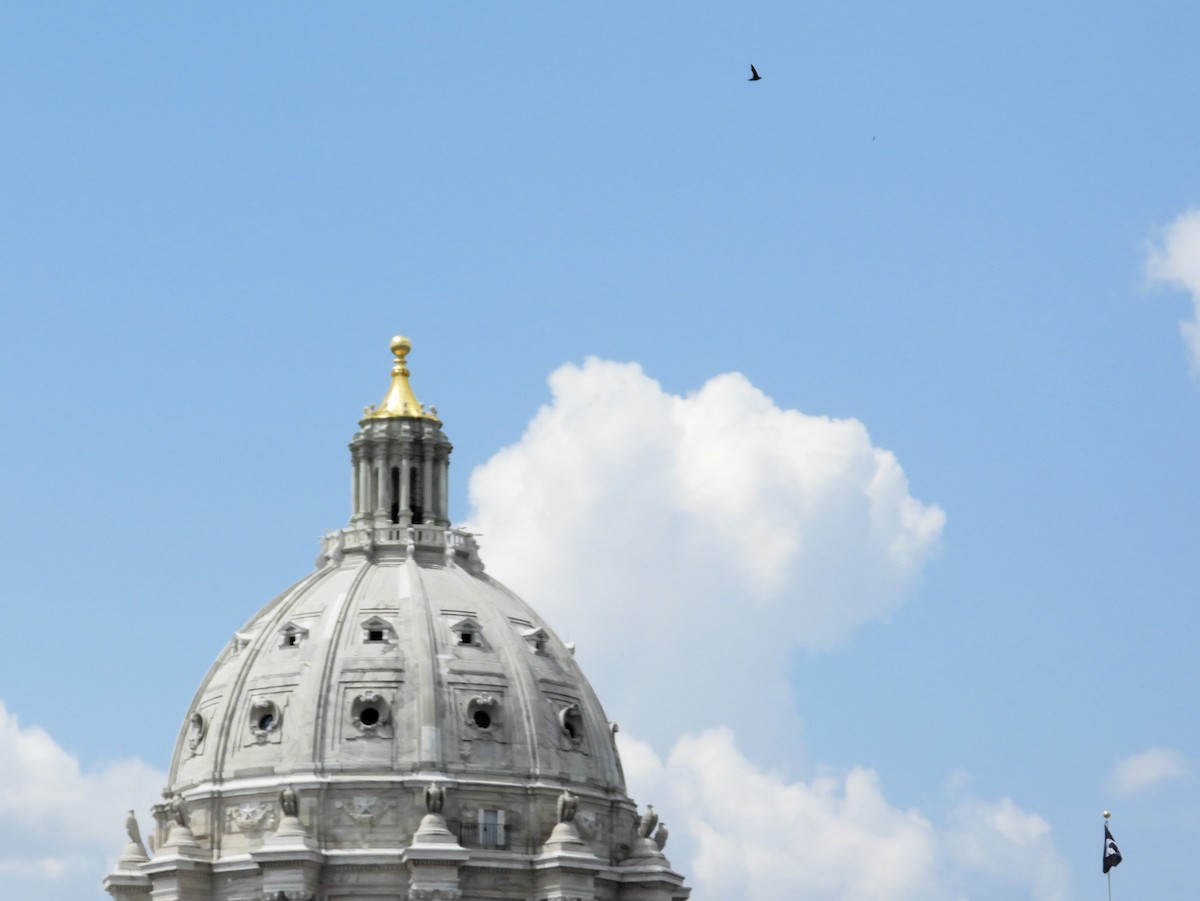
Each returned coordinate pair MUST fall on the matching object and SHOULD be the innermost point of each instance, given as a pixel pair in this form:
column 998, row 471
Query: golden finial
column 400, row 347
column 400, row 400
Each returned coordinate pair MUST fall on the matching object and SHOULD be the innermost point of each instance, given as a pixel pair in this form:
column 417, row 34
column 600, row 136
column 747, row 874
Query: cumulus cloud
column 998, row 843
column 1149, row 769
column 694, row 543
column 699, row 538
column 1174, row 259
column 756, row 834
column 61, row 827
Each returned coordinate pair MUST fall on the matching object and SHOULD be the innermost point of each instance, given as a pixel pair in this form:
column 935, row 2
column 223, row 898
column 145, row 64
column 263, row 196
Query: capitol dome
column 397, row 724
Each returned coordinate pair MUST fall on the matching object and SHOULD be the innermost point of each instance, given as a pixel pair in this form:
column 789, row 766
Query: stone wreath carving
column 249, row 818
column 362, row 810
column 434, row 894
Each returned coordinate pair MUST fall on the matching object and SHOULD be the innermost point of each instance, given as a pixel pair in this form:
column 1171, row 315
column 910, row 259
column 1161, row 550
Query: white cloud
column 61, row 828
column 1006, row 847
column 697, row 539
column 1148, row 769
column 1175, row 260
column 694, row 543
column 751, row 833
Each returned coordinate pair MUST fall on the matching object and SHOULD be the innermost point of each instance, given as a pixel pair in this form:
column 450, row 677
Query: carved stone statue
column 132, row 829
column 288, row 802
column 435, row 798
column 567, row 805
column 177, row 811
column 135, row 850
column 648, row 821
column 660, row 836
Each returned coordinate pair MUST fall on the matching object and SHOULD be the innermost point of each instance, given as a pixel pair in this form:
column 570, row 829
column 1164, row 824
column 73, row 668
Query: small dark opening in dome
column 289, row 640
column 369, row 716
column 266, row 721
column 375, row 635
column 466, row 638
column 416, row 500
column 569, row 728
column 482, row 720
column 395, row 511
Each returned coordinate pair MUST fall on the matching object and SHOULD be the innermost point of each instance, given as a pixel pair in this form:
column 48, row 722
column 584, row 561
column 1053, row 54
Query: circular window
column 265, row 717
column 369, row 713
column 482, row 719
column 196, row 729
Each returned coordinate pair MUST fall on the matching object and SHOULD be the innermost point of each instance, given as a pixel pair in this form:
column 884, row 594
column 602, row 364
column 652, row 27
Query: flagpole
column 1108, row 873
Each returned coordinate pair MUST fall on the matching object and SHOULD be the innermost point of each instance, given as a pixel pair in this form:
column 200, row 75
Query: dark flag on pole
column 1112, row 855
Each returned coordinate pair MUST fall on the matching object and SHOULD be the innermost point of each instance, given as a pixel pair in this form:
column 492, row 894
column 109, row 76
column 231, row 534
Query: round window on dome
column 265, row 717
column 369, row 713
column 196, row 729
column 483, row 712
column 570, row 720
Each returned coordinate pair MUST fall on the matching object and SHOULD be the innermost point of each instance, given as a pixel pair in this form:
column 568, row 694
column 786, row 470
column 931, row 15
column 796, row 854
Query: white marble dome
column 397, row 724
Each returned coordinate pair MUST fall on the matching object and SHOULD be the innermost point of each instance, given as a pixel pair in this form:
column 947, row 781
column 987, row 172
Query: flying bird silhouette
column 754, row 76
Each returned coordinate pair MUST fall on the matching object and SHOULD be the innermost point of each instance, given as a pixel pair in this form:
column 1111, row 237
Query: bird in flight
column 754, row 76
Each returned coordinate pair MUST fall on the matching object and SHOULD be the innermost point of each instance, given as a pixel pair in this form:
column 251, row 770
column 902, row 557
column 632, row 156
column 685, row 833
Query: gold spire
column 400, row 400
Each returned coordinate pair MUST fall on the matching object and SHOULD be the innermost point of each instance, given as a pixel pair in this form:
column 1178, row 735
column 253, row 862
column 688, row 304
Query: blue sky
column 932, row 219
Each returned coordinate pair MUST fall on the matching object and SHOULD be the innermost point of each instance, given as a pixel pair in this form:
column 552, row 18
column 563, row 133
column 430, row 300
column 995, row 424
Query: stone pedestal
column 433, row 860
column 127, row 882
column 290, row 862
column 646, row 875
column 180, row 870
column 566, row 869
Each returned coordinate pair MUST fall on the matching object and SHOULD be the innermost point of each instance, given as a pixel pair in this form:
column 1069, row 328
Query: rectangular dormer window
column 468, row 633
column 377, row 631
column 291, row 635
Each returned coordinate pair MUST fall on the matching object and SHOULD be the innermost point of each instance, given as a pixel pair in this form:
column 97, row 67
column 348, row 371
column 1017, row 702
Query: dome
column 397, row 723
column 404, row 657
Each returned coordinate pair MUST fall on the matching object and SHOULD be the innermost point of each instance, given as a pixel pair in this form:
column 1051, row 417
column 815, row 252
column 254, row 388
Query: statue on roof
column 648, row 821
column 567, row 805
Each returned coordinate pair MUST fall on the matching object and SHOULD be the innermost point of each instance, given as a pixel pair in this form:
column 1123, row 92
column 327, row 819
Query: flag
column 1112, row 854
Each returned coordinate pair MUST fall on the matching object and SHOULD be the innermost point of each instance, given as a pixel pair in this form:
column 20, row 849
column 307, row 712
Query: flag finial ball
column 1107, row 814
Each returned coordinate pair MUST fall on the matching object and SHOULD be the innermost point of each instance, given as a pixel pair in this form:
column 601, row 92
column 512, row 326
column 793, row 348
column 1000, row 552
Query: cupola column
column 381, row 474
column 405, row 500
column 443, row 518
column 430, row 512
column 362, row 506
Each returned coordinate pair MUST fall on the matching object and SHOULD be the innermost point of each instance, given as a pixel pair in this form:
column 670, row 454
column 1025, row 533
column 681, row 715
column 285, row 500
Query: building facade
column 396, row 725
